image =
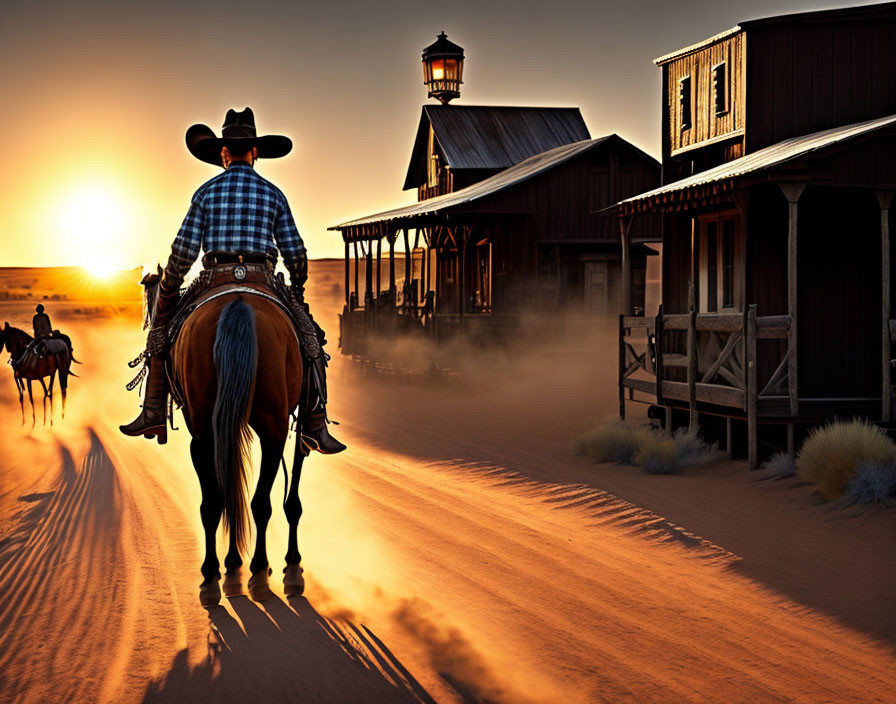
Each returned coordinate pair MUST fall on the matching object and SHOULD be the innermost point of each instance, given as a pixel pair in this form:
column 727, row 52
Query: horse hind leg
column 271, row 452
column 233, row 576
column 52, row 380
column 20, row 387
column 31, row 399
column 210, row 511
column 44, row 399
column 293, row 581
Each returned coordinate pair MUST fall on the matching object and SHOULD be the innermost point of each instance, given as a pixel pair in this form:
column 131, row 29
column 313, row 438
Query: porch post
column 884, row 198
column 752, row 390
column 392, row 268
column 625, row 224
column 357, row 264
column 407, row 267
column 792, row 192
column 379, row 266
column 693, row 422
column 461, row 271
column 347, row 275
column 368, row 273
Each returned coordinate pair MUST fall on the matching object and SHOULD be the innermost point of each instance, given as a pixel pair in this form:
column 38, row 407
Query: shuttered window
column 720, row 87
column 684, row 102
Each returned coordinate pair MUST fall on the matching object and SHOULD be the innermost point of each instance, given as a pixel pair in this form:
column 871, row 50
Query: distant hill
column 67, row 283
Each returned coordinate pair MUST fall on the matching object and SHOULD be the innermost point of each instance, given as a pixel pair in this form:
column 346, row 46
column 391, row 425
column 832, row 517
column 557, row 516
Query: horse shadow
column 281, row 651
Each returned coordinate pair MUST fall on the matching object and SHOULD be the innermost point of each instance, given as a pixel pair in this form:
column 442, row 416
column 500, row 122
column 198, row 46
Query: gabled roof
column 511, row 176
column 492, row 138
column 761, row 160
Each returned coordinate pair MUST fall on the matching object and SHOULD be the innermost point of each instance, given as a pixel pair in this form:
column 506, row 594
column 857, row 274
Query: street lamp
column 443, row 65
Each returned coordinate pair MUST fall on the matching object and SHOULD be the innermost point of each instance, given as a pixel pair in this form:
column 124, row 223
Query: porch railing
column 704, row 358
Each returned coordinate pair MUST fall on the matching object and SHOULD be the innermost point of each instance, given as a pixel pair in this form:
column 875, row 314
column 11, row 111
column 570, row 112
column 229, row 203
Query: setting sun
column 92, row 222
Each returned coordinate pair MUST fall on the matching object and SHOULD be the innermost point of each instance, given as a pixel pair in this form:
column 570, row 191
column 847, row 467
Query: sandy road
column 439, row 569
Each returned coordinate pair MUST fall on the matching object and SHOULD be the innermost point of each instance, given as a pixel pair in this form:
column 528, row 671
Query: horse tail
column 236, row 358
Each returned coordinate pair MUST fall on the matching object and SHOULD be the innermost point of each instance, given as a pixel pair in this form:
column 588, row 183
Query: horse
column 16, row 341
column 237, row 367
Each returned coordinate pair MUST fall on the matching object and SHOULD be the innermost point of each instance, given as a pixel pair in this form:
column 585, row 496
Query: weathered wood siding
column 706, row 126
column 839, row 293
column 803, row 77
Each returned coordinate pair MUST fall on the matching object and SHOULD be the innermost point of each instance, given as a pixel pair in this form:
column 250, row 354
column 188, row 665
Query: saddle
column 252, row 278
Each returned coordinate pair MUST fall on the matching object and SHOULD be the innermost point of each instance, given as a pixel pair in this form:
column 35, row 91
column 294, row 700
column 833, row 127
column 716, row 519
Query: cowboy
column 237, row 215
column 43, row 330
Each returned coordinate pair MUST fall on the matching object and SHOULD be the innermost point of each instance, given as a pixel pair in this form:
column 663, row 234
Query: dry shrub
column 659, row 454
column 779, row 466
column 616, row 441
column 872, row 484
column 610, row 441
column 831, row 454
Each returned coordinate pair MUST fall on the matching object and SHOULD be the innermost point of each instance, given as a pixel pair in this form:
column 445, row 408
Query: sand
column 458, row 552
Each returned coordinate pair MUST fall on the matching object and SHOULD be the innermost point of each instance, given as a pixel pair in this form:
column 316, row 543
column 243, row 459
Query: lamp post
column 443, row 65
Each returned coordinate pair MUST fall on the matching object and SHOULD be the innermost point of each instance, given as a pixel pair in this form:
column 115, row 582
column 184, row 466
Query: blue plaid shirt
column 236, row 211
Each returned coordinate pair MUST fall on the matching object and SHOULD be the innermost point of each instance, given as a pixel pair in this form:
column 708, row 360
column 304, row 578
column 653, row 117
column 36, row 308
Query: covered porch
column 776, row 291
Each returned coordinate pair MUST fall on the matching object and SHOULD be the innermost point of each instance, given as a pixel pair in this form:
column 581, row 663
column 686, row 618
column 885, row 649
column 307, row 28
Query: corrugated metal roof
column 766, row 158
column 492, row 137
column 509, row 177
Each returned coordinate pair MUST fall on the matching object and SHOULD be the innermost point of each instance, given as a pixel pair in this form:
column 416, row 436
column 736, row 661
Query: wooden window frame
column 733, row 287
column 726, row 103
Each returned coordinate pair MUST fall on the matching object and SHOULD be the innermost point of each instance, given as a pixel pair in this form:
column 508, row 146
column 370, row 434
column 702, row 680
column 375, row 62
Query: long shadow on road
column 286, row 652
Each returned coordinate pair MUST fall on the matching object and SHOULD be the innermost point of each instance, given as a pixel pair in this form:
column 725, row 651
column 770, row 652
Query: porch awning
column 384, row 223
column 720, row 179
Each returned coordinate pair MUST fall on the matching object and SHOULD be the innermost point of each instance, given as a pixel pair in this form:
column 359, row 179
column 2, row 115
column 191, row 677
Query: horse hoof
column 209, row 594
column 293, row 581
column 233, row 583
column 259, row 589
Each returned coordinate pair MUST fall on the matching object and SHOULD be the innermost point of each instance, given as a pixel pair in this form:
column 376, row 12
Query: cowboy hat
column 238, row 133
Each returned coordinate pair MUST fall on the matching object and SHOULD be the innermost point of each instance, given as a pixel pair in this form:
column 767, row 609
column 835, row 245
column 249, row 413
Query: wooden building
column 779, row 162
column 507, row 221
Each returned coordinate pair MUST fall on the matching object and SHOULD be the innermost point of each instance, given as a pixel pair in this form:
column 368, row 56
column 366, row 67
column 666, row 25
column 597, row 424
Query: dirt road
column 457, row 552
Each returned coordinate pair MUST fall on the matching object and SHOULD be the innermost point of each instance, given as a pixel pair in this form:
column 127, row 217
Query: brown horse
column 33, row 367
column 237, row 365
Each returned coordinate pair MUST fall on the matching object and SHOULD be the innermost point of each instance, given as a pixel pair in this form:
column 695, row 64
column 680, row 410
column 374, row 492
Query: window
column 712, row 266
column 684, row 103
column 719, row 259
column 433, row 165
column 720, row 87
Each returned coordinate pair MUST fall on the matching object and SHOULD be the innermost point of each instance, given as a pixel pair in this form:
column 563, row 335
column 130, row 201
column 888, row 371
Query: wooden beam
column 368, row 273
column 347, row 275
column 885, row 198
column 357, row 262
column 379, row 266
column 392, row 269
column 692, row 362
column 621, row 366
column 752, row 391
column 407, row 267
column 792, row 191
column 625, row 225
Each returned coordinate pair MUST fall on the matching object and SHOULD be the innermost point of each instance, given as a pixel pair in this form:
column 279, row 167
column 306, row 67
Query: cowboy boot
column 151, row 421
column 315, row 435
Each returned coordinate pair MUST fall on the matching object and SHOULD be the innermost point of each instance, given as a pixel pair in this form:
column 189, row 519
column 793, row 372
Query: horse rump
column 236, row 358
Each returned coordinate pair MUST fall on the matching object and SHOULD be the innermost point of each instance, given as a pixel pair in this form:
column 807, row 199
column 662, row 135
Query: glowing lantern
column 443, row 65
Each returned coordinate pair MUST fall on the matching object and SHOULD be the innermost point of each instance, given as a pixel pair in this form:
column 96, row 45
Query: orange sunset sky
column 97, row 97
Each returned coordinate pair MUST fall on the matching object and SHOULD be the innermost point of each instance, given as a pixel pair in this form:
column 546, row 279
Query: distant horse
column 237, row 365
column 56, row 360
